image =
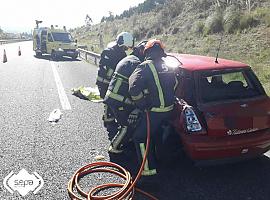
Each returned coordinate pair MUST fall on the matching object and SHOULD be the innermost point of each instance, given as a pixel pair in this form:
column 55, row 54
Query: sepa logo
column 23, row 182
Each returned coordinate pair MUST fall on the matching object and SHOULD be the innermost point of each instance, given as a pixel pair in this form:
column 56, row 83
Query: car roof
column 197, row 63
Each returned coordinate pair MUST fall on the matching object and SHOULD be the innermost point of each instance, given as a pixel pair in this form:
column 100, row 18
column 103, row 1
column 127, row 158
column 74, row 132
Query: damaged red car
column 223, row 112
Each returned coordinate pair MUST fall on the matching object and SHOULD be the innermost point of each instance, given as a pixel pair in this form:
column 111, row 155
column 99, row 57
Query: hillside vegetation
column 195, row 27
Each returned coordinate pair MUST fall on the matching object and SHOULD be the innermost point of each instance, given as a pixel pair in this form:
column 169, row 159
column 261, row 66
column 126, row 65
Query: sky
column 20, row 15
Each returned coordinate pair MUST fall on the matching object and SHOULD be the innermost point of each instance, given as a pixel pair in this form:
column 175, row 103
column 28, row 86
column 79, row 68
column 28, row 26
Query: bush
column 199, row 27
column 231, row 20
column 150, row 34
column 261, row 12
column 114, row 30
column 139, row 33
column 263, row 15
column 175, row 30
column 172, row 8
column 158, row 30
column 266, row 20
column 247, row 21
column 214, row 23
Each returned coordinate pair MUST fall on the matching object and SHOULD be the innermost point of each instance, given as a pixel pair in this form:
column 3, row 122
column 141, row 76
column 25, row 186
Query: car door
column 50, row 43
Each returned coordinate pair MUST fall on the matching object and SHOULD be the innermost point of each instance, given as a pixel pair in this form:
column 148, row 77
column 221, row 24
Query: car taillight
column 192, row 122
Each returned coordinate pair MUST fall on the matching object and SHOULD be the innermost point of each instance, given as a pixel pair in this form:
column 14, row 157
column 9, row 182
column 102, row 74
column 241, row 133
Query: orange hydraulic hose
column 126, row 190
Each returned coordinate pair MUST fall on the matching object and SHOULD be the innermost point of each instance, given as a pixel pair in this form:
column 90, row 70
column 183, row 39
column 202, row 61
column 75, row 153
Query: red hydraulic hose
column 126, row 190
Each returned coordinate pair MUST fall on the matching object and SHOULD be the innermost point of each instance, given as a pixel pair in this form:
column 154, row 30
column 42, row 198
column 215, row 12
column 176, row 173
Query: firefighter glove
column 133, row 116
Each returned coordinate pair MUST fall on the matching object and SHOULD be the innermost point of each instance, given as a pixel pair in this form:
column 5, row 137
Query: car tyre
column 74, row 57
column 38, row 54
column 53, row 55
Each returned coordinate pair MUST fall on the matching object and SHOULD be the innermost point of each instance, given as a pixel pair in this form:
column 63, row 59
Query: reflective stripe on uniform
column 114, row 96
column 110, row 72
column 118, row 97
column 121, row 75
column 165, row 109
column 138, row 97
column 105, row 116
column 117, row 85
column 176, row 83
column 119, row 137
column 149, row 172
column 160, row 92
column 146, row 171
column 103, row 80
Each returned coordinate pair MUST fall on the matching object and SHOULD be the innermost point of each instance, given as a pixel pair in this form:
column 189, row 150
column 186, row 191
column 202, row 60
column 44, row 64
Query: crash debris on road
column 55, row 116
column 87, row 93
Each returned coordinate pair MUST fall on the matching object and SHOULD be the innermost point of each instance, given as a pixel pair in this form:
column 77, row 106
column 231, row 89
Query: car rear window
column 220, row 85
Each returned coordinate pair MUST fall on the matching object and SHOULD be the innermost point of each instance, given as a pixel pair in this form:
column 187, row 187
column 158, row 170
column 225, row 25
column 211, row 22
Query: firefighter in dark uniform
column 160, row 81
column 118, row 99
column 109, row 59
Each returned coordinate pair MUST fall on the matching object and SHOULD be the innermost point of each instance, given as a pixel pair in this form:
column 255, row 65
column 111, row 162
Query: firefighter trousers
column 109, row 121
column 140, row 136
column 124, row 134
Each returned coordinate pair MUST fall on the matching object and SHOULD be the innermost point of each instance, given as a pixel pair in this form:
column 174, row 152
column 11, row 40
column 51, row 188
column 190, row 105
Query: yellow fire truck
column 54, row 41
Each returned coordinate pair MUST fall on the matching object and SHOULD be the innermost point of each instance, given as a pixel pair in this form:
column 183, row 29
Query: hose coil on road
column 127, row 189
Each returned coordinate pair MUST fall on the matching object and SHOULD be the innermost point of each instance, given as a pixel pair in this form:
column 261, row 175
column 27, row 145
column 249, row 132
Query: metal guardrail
column 89, row 56
column 3, row 42
column 13, row 41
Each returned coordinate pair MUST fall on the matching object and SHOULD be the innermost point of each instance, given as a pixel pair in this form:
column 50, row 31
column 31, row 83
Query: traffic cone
column 19, row 52
column 4, row 57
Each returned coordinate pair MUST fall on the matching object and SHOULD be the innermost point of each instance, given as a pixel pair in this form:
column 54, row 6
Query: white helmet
column 125, row 39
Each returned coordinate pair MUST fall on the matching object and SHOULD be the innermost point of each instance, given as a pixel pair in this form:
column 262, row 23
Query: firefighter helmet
column 125, row 39
column 154, row 43
column 154, row 49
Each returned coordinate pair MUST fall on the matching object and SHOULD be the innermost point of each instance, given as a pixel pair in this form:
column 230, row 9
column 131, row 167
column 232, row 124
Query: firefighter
column 160, row 82
column 109, row 59
column 118, row 99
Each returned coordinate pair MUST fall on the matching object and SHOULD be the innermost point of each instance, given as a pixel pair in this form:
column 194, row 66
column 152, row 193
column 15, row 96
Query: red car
column 223, row 113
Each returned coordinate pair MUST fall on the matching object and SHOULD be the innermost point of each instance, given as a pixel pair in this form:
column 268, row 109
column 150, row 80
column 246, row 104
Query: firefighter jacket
column 152, row 86
column 109, row 59
column 117, row 95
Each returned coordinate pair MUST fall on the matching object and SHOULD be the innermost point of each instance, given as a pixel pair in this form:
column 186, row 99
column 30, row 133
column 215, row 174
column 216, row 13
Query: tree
column 250, row 5
column 101, row 42
column 88, row 20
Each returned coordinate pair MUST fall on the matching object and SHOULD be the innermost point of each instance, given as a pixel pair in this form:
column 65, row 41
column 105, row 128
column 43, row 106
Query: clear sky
column 20, row 15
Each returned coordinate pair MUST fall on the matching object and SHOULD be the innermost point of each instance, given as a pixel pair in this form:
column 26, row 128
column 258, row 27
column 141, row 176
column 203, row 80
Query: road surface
column 30, row 88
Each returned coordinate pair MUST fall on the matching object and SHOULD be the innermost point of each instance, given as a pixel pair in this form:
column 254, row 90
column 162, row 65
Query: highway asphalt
column 29, row 93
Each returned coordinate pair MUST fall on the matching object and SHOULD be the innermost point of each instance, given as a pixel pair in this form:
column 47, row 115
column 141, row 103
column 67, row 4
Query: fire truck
column 54, row 41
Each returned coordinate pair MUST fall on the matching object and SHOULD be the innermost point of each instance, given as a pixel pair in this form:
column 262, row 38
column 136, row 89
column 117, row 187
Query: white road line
column 61, row 92
column 267, row 154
